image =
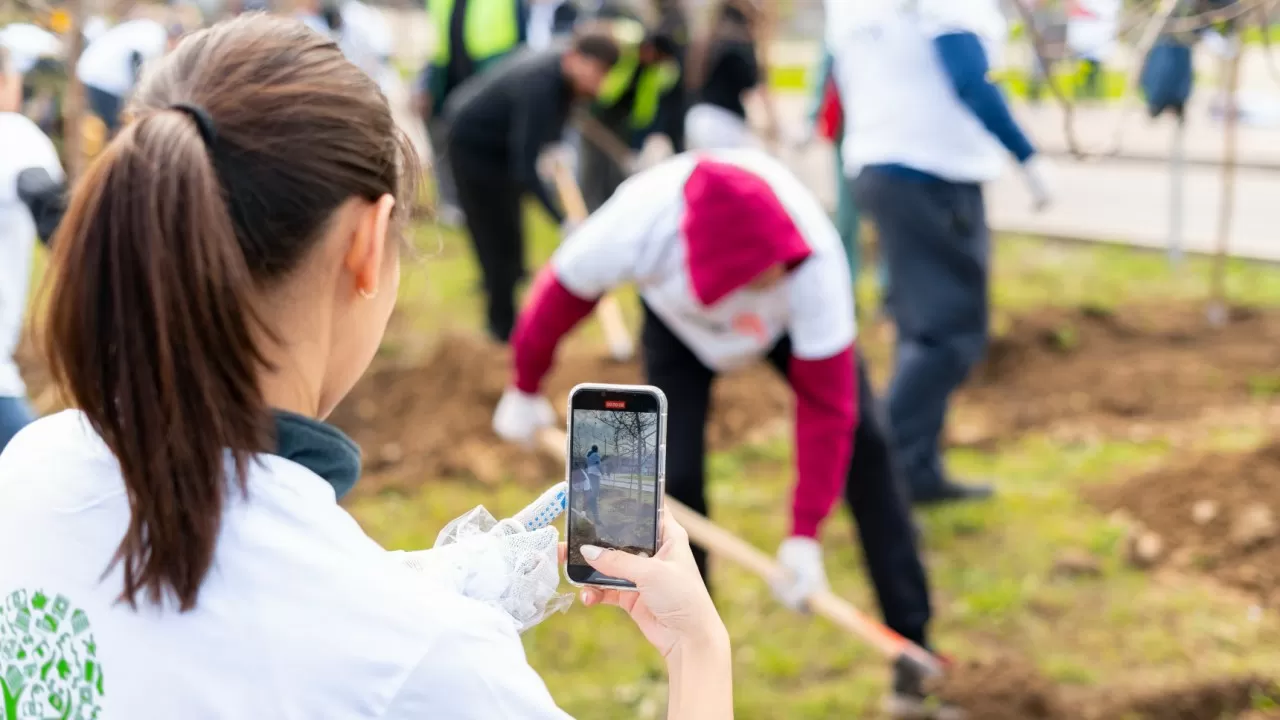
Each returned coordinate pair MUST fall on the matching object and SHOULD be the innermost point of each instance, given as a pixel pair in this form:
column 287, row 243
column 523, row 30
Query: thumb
column 616, row 563
column 544, row 511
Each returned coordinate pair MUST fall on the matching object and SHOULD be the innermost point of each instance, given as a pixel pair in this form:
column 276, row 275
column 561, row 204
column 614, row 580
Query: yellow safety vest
column 490, row 28
column 651, row 81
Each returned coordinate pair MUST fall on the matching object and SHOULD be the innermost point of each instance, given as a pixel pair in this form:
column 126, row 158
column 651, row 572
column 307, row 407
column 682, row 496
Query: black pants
column 873, row 491
column 936, row 247
column 491, row 203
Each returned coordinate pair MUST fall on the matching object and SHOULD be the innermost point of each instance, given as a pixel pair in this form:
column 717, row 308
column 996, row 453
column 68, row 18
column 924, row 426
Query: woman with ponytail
column 173, row 545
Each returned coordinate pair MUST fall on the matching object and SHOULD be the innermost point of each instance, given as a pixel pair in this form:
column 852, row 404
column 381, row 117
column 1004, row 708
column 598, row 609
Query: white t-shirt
column 635, row 237
column 303, row 617
column 22, row 146
column 28, row 43
column 107, row 62
column 900, row 107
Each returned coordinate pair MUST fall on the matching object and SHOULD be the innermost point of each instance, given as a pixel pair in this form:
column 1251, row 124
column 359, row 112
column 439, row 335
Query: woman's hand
column 671, row 605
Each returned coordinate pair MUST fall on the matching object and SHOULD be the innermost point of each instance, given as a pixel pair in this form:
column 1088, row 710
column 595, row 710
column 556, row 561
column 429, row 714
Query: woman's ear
column 368, row 246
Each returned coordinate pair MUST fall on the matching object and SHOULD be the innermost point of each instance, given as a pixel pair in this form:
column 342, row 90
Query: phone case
column 662, row 464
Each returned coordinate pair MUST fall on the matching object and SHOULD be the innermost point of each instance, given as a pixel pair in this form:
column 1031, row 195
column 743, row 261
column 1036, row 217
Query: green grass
column 1069, row 78
column 990, row 564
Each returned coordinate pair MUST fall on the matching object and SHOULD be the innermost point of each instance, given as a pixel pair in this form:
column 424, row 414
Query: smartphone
column 616, row 470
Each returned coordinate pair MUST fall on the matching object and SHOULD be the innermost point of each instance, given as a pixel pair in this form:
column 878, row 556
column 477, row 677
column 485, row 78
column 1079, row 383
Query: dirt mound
column 1008, row 688
column 1114, row 370
column 432, row 420
column 1216, row 514
column 1002, row 689
column 1203, row 700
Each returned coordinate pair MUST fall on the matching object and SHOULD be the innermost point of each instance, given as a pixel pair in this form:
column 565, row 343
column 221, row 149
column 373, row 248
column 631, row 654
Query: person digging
column 735, row 261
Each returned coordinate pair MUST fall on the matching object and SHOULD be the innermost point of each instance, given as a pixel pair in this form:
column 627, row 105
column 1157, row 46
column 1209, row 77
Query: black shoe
column 949, row 491
column 910, row 699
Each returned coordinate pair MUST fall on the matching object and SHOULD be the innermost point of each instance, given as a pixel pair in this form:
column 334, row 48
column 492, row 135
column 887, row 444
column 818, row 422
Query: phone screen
column 614, row 463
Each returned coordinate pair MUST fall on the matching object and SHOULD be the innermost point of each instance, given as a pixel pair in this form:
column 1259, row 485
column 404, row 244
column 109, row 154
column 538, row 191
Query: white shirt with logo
column 642, row 243
column 900, row 106
column 22, row 146
column 107, row 62
column 302, row 617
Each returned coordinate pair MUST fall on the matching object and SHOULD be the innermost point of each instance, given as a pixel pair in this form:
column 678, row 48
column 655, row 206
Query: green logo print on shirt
column 48, row 660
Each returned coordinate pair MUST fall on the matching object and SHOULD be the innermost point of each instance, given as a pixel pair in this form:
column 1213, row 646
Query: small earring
column 365, row 293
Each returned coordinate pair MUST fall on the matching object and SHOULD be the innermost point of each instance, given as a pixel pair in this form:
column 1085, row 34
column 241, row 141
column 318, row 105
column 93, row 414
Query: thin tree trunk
column 73, row 99
column 1231, row 121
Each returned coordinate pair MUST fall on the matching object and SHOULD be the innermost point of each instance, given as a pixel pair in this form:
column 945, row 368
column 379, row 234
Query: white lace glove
column 1037, row 174
column 520, row 416
column 802, row 571
column 512, row 565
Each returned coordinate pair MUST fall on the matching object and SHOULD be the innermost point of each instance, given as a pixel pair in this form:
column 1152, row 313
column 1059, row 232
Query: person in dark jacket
column 471, row 38
column 499, row 123
column 642, row 96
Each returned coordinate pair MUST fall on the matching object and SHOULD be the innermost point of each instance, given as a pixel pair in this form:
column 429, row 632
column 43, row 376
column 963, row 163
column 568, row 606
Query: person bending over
column 499, row 124
column 736, row 261
column 223, row 275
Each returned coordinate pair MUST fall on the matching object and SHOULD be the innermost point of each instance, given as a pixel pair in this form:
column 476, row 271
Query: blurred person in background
column 924, row 129
column 471, row 38
column 826, row 120
column 499, row 123
column 1092, row 26
column 360, row 30
column 36, row 54
column 31, row 189
column 27, row 44
column 223, row 276
column 111, row 65
column 550, row 19
column 723, row 68
column 642, row 96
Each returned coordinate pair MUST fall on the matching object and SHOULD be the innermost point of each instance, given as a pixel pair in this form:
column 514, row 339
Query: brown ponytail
column 166, row 247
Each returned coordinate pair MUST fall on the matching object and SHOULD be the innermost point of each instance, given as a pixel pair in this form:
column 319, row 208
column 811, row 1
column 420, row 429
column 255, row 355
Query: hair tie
column 204, row 123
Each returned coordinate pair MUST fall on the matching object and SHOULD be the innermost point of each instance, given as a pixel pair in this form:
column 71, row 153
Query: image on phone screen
column 613, row 477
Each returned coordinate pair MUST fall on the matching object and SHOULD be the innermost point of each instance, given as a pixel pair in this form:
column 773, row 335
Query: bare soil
column 1010, row 689
column 1215, row 514
column 1095, row 371
column 432, row 420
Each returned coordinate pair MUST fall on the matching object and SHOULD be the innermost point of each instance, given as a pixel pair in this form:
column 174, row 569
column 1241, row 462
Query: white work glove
column 512, row 565
column 520, row 416
column 802, row 574
column 1037, row 174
